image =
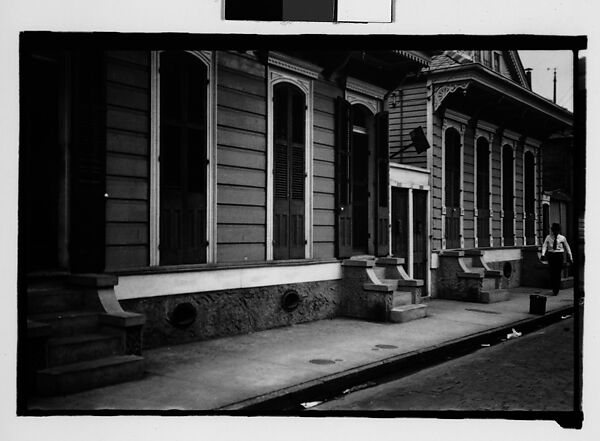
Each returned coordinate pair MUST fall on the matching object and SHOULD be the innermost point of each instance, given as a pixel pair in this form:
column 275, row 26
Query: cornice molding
column 292, row 64
column 365, row 88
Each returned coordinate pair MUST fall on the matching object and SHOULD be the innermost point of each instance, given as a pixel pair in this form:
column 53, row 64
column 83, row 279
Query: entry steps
column 78, row 337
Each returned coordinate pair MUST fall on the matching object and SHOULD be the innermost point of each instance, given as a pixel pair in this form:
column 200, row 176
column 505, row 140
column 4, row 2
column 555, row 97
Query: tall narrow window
column 483, row 193
column 497, row 61
column 529, row 199
column 183, row 158
column 452, row 188
column 289, row 131
column 508, row 196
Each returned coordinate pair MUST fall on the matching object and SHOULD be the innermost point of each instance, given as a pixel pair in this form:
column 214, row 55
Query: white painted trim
column 208, row 58
column 291, row 64
column 411, row 245
column 462, row 188
column 475, row 194
column 490, row 188
column 428, row 222
column 456, row 117
column 510, row 135
column 460, row 128
column 373, row 104
column 276, row 76
column 486, row 126
column 500, row 254
column 164, row 284
column 154, row 165
column 364, row 88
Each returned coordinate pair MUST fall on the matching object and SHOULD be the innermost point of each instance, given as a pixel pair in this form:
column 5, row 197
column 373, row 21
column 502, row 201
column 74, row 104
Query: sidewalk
column 234, row 373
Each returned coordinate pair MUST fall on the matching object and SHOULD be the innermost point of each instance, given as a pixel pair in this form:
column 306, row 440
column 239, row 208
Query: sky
column 543, row 64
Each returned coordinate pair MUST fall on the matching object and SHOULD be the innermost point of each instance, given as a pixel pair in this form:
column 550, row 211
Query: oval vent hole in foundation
column 507, row 270
column 290, row 300
column 183, row 315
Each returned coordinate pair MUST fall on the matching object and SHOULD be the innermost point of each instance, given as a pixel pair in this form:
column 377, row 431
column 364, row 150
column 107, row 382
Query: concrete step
column 400, row 298
column 494, row 295
column 71, row 378
column 390, row 282
column 489, row 283
column 82, row 347
column 53, row 299
column 68, row 323
column 406, row 313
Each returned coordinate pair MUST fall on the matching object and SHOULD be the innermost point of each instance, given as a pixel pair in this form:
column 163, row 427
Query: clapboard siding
column 325, row 94
column 408, row 115
column 127, row 159
column 241, row 252
column 241, row 158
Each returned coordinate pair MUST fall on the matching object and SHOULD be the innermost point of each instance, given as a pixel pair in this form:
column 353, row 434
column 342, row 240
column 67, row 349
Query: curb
column 287, row 399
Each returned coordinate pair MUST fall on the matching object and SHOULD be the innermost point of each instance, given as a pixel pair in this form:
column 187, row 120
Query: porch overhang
column 485, row 95
column 383, row 68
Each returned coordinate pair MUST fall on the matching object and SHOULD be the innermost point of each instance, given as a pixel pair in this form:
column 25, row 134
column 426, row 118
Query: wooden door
column 289, row 119
column 419, row 234
column 382, row 179
column 400, row 222
column 343, row 187
column 183, row 158
column 452, row 188
column 87, row 162
column 507, row 196
column 483, row 193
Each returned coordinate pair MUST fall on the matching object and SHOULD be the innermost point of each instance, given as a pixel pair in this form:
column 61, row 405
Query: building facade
column 479, row 188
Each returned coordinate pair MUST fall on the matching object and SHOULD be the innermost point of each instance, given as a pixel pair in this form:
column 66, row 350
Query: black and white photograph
column 330, row 227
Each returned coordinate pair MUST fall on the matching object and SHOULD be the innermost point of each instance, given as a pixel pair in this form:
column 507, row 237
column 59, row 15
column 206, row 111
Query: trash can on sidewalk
column 537, row 304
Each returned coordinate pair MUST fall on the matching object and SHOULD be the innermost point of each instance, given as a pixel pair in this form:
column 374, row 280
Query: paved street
column 531, row 372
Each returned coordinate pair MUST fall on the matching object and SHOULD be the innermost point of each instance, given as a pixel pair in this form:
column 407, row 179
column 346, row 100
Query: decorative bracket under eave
column 442, row 91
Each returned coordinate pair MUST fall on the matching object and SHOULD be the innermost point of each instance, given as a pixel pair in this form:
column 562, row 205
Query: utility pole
column 554, row 90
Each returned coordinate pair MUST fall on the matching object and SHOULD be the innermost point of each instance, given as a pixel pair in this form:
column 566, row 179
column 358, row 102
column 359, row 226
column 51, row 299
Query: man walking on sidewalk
column 554, row 249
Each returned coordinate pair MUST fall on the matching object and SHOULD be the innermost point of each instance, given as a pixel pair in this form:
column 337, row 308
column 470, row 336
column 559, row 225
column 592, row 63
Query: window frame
column 277, row 75
column 210, row 62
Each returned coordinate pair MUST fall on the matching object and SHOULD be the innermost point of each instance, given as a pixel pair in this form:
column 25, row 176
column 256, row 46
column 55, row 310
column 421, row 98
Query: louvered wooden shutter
column 289, row 117
column 383, row 163
column 343, row 143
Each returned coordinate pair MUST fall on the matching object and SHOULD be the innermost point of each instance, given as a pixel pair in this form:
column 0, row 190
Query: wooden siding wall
column 127, row 159
column 409, row 114
column 241, row 158
column 324, row 168
column 469, row 187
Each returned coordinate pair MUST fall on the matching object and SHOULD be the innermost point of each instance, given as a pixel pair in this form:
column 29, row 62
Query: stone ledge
column 452, row 253
column 411, row 282
column 94, row 280
column 390, row 261
column 376, row 287
column 473, row 253
column 359, row 263
column 492, row 273
column 469, row 275
column 123, row 319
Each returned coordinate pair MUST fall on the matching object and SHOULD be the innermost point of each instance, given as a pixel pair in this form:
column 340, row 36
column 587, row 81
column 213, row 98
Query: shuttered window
column 289, row 165
column 508, row 195
column 529, row 198
column 183, row 158
column 452, row 188
column 483, row 193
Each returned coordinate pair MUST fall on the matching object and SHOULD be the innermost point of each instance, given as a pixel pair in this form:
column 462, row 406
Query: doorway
column 409, row 229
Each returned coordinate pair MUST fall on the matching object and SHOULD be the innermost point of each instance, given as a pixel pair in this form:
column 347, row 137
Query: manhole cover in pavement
column 481, row 310
column 386, row 346
column 321, row 361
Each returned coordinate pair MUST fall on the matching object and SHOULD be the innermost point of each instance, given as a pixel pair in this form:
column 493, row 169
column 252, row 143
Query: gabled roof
column 451, row 58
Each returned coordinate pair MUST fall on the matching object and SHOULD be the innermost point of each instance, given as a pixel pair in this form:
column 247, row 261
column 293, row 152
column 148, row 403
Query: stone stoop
column 384, row 293
column 79, row 337
column 465, row 276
